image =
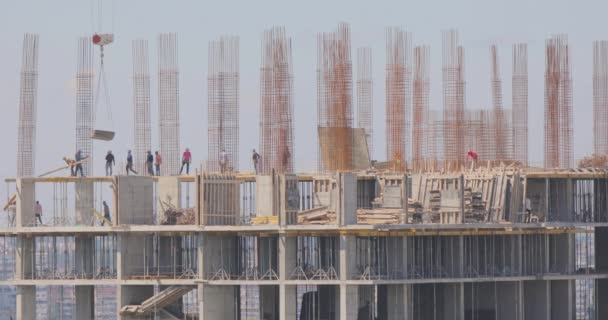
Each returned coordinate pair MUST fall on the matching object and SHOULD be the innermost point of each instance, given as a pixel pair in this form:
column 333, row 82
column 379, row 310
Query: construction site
column 453, row 224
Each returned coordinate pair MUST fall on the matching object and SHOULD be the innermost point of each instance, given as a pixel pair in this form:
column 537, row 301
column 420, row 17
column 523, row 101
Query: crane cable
column 101, row 81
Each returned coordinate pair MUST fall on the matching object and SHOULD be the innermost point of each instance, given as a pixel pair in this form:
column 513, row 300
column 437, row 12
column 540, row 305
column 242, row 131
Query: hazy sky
column 59, row 24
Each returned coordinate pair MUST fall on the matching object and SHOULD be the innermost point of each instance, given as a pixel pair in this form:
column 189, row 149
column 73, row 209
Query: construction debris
column 176, row 216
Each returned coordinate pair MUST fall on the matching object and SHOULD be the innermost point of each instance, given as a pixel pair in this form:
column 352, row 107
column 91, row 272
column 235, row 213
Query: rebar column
column 276, row 103
column 27, row 107
column 142, row 127
column 168, row 104
column 85, row 115
column 398, row 96
column 520, row 102
column 223, row 103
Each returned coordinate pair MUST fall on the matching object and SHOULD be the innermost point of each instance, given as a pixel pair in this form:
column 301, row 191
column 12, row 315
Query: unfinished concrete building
column 484, row 244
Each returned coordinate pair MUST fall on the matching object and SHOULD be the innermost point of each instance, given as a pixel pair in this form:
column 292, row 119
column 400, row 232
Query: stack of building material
column 265, row 220
column 435, row 200
column 415, row 210
column 319, row 215
column 380, row 216
column 474, row 206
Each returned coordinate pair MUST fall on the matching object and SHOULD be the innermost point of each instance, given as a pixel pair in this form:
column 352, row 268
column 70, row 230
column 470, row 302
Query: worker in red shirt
column 472, row 154
column 186, row 158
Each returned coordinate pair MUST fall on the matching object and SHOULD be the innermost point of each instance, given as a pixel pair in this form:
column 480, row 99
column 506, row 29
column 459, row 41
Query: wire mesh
column 558, row 104
column 365, row 95
column 334, row 100
column 276, row 103
column 168, row 104
column 27, row 107
column 519, row 93
column 223, row 102
column 142, row 128
column 420, row 132
column 85, row 115
column 600, row 97
column 398, row 95
column 453, row 97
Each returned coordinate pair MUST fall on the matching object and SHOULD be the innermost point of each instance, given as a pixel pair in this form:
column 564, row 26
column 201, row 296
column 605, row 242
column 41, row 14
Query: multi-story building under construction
column 481, row 244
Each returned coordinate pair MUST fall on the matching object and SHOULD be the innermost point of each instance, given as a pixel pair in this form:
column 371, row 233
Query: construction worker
column 70, row 163
column 223, row 160
column 159, row 161
column 110, row 162
column 186, row 158
column 130, row 163
column 38, row 211
column 150, row 162
column 106, row 214
column 256, row 161
column 78, row 157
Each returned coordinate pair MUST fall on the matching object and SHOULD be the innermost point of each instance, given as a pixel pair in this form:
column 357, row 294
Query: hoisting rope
column 101, row 81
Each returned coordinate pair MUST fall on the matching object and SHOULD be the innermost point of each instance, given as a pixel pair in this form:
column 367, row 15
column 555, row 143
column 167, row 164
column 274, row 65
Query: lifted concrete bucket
column 102, row 135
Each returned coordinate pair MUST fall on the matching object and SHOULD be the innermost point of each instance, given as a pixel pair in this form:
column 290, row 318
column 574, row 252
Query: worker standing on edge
column 149, row 163
column 106, row 214
column 159, row 161
column 110, row 162
column 186, row 158
column 256, row 161
column 223, row 160
column 38, row 211
column 70, row 163
column 78, row 158
column 130, row 163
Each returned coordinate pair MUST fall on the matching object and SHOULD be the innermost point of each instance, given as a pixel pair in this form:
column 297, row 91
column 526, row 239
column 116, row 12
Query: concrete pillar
column 399, row 302
column 287, row 302
column 349, row 302
column 563, row 300
column 26, row 303
column 348, row 258
column 83, row 256
column 84, row 203
column 219, row 302
column 287, row 256
column 24, row 259
column 537, row 300
column 26, row 200
column 135, row 254
column 85, row 302
column 135, row 200
column 169, row 192
column 347, row 198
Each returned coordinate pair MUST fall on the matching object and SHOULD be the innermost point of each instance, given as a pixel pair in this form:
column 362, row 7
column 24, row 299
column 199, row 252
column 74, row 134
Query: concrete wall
column 219, row 302
column 135, row 200
column 26, row 303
